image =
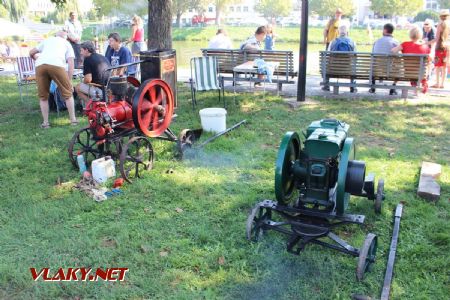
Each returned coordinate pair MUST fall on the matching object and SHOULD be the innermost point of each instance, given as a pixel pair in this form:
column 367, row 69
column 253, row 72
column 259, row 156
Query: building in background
column 431, row 5
column 42, row 8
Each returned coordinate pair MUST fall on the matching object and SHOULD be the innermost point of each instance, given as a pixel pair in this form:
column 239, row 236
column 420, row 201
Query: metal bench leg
column 404, row 94
column 336, row 90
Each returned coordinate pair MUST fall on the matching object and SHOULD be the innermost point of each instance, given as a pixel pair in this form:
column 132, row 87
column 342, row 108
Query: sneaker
column 258, row 84
column 372, row 90
column 353, row 90
column 393, row 92
column 326, row 88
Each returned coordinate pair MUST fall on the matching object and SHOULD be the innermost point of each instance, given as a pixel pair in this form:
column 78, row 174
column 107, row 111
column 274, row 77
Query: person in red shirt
column 415, row 46
column 442, row 54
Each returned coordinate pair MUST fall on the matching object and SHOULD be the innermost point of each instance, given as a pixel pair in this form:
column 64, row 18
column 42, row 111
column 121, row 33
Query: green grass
column 44, row 225
column 240, row 34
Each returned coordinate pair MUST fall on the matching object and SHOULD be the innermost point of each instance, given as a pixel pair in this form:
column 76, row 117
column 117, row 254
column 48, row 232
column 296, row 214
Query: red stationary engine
column 127, row 105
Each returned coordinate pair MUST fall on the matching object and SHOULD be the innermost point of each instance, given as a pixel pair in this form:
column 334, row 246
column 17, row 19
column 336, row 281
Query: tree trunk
column 178, row 19
column 217, row 15
column 159, row 29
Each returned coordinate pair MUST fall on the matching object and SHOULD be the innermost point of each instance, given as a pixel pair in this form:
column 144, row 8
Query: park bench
column 378, row 71
column 230, row 58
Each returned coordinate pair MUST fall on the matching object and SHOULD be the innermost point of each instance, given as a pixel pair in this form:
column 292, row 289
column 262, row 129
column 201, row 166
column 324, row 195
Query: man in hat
column 443, row 17
column 331, row 31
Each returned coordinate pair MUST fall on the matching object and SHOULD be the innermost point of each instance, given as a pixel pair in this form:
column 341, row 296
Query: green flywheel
column 288, row 153
column 347, row 154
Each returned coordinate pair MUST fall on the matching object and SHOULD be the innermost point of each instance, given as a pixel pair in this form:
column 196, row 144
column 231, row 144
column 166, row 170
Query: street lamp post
column 301, row 83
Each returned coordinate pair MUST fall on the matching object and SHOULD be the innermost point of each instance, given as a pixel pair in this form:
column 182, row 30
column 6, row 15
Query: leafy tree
column 220, row 6
column 444, row 3
column 427, row 14
column 3, row 12
column 273, row 9
column 326, row 8
column 16, row 8
column 61, row 14
column 397, row 7
column 180, row 6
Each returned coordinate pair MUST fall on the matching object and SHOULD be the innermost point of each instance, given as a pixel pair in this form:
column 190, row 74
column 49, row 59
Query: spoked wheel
column 81, row 142
column 153, row 106
column 258, row 216
column 136, row 157
column 367, row 255
column 379, row 197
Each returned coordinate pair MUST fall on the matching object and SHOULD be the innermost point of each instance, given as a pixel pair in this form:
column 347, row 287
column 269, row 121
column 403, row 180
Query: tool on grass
column 393, row 250
column 188, row 137
column 324, row 173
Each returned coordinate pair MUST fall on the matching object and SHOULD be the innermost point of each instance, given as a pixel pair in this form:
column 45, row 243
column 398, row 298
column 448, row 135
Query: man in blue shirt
column 117, row 54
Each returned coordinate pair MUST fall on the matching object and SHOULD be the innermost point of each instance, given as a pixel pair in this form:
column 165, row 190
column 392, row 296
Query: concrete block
column 429, row 189
column 431, row 169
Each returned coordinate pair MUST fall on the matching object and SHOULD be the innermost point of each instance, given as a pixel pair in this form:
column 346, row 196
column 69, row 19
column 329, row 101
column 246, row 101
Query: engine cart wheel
column 367, row 255
column 380, row 196
column 258, row 216
column 82, row 143
column 136, row 157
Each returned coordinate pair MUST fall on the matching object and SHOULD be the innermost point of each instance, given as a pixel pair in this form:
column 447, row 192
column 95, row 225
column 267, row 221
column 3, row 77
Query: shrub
column 427, row 14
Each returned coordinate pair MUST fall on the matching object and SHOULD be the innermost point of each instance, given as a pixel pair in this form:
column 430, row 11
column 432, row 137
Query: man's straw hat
column 444, row 12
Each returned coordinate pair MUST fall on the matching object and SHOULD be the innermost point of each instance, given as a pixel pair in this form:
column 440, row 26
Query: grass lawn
column 200, row 251
column 240, row 34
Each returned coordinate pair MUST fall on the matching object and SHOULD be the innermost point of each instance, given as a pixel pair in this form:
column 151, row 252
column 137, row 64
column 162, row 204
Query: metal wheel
column 288, row 153
column 379, row 197
column 153, row 106
column 257, row 217
column 136, row 157
column 367, row 255
column 81, row 142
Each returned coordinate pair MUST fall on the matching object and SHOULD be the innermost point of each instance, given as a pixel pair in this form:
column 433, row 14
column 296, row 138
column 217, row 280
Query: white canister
column 102, row 169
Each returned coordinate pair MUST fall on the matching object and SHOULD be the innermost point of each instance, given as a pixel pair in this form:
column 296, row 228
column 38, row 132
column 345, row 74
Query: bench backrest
column 373, row 66
column 230, row 58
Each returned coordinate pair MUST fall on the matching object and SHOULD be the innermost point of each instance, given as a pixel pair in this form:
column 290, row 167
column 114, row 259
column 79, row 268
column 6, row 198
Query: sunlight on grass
column 181, row 228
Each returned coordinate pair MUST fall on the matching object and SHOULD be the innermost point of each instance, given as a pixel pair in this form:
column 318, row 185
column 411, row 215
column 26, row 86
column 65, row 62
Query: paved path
column 313, row 88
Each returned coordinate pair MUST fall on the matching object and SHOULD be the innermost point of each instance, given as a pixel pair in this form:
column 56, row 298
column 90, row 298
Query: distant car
column 256, row 21
column 290, row 21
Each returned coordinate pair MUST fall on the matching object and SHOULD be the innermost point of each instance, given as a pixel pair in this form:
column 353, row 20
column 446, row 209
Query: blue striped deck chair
column 204, row 77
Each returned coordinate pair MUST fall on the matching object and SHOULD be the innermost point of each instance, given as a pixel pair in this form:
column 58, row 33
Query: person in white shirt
column 51, row 57
column 74, row 31
column 220, row 40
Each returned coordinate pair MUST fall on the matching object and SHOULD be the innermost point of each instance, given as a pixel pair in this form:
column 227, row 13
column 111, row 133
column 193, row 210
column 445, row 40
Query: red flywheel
column 153, row 107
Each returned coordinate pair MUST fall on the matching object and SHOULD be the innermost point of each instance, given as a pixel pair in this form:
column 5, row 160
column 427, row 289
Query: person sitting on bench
column 343, row 44
column 384, row 45
column 94, row 73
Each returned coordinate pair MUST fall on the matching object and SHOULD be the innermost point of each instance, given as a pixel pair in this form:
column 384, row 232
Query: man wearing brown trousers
column 52, row 55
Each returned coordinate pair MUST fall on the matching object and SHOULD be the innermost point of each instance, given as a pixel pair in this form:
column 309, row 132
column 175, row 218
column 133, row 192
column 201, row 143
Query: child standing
column 270, row 38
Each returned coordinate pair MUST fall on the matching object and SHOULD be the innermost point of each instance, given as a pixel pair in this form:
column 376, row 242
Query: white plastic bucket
column 213, row 119
column 102, row 169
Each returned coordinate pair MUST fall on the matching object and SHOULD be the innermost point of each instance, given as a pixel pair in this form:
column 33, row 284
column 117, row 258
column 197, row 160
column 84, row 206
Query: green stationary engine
column 324, row 170
column 325, row 173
